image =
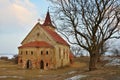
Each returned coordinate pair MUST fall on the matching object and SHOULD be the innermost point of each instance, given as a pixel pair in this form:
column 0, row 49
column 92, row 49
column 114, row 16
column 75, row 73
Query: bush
column 15, row 59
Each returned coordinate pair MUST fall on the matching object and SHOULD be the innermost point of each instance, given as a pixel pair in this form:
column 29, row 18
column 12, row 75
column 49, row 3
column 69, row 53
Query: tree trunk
column 92, row 63
column 99, row 60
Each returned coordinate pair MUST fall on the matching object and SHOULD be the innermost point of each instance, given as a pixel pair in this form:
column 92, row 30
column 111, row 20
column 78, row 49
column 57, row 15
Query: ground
column 79, row 67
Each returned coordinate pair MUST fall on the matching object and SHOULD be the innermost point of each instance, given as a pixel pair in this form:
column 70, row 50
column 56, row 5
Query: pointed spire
column 47, row 21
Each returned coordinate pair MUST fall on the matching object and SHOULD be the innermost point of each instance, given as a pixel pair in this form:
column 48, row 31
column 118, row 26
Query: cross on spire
column 38, row 19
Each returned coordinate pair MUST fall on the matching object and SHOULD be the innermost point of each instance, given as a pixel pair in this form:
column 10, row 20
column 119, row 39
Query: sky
column 17, row 18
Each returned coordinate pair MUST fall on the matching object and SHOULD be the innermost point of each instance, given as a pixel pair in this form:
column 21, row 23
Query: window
column 63, row 53
column 31, row 52
column 21, row 61
column 47, row 52
column 38, row 34
column 41, row 52
column 66, row 55
column 26, row 52
column 46, row 64
column 59, row 53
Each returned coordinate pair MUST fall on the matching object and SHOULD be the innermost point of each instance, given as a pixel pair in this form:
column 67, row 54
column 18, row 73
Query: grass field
column 11, row 71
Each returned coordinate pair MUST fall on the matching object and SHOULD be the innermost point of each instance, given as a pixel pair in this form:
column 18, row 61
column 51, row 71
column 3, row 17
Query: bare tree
column 104, row 48
column 87, row 23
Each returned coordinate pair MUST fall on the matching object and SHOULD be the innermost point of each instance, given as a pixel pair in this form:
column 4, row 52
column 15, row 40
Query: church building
column 43, row 48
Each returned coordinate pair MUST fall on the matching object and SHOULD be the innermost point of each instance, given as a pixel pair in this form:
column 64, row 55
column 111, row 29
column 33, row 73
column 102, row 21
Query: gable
column 44, row 33
column 37, row 34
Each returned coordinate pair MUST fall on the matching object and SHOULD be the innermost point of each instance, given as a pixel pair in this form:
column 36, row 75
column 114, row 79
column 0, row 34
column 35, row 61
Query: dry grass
column 11, row 71
column 103, row 72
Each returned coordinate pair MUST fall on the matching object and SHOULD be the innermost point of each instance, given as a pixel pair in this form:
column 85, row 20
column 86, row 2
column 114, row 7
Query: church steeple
column 47, row 21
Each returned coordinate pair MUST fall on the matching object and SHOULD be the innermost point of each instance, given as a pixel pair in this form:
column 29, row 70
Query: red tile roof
column 52, row 33
column 55, row 36
column 37, row 44
column 47, row 20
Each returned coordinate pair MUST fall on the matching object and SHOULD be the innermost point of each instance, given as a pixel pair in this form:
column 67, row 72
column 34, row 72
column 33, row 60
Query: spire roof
column 47, row 21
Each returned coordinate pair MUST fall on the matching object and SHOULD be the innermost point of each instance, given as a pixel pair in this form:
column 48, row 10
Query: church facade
column 43, row 48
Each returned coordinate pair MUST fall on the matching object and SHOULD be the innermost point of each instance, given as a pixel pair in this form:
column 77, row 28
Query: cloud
column 14, row 12
column 16, row 20
column 21, row 13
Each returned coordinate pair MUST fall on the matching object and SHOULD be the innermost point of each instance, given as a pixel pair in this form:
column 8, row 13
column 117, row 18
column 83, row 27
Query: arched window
column 67, row 55
column 47, row 52
column 21, row 61
column 46, row 64
column 59, row 53
column 41, row 52
column 26, row 52
column 63, row 53
column 31, row 52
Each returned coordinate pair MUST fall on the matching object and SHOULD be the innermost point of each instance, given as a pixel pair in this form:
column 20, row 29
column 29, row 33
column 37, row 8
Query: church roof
column 46, row 26
column 52, row 33
column 37, row 44
column 48, row 21
column 55, row 36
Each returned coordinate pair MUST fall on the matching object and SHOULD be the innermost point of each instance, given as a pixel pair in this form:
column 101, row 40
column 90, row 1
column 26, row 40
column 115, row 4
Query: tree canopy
column 88, row 23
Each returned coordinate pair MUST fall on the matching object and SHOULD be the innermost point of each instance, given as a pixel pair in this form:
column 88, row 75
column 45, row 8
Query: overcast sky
column 17, row 18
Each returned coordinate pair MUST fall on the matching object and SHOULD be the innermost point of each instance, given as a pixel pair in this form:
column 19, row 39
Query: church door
column 29, row 64
column 41, row 64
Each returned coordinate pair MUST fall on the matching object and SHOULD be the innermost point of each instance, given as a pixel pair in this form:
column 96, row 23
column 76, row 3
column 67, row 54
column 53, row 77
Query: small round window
column 38, row 34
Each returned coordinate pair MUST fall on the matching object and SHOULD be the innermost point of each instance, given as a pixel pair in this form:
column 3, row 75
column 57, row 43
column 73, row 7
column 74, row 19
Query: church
column 43, row 48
